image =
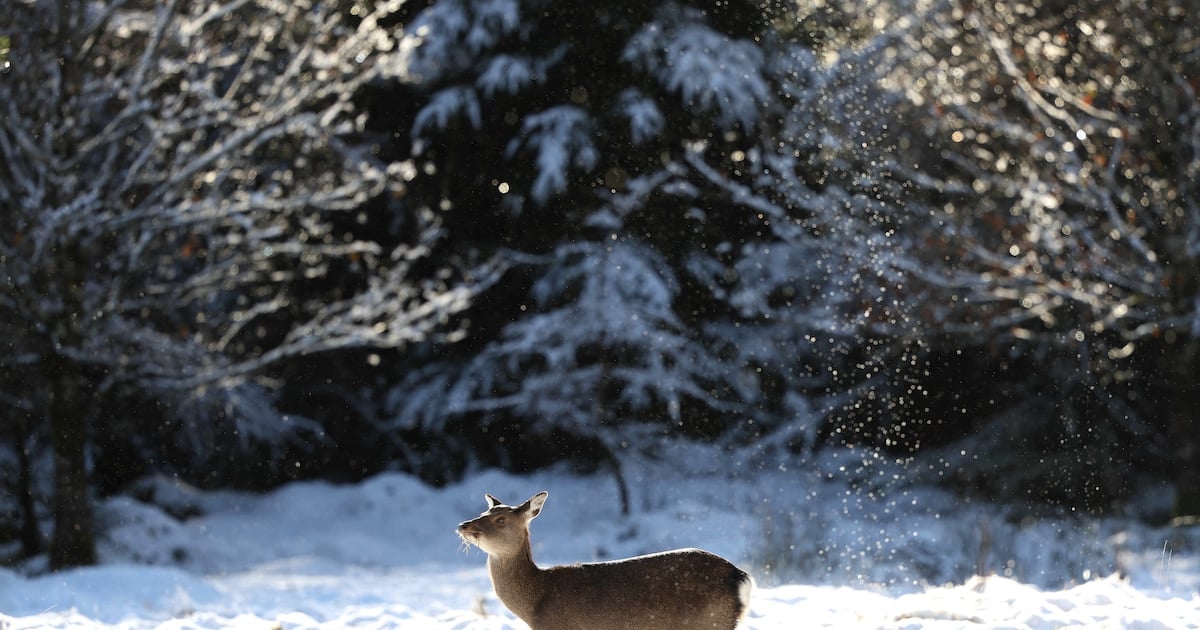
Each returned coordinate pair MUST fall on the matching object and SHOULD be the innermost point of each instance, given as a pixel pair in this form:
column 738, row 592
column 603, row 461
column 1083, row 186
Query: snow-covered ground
column 828, row 550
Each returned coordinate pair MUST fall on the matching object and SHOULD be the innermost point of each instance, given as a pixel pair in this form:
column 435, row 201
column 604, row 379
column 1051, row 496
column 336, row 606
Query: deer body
column 686, row 589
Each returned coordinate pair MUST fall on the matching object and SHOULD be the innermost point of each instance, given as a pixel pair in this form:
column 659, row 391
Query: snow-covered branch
column 1051, row 187
column 181, row 214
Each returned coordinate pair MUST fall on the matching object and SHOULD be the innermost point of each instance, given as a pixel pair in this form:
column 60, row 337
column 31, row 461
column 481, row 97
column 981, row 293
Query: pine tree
column 557, row 135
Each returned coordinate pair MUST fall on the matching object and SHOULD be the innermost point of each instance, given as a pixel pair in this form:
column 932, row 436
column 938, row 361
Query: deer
column 684, row 589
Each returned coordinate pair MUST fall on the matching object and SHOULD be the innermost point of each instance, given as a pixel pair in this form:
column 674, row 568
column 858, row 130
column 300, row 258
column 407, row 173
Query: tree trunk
column 31, row 538
column 1184, row 428
column 74, row 542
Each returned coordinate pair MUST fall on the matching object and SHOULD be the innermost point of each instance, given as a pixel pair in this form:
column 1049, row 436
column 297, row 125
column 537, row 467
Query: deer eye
column 499, row 520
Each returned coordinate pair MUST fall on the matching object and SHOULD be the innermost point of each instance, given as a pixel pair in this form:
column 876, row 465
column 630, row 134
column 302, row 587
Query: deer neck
column 517, row 580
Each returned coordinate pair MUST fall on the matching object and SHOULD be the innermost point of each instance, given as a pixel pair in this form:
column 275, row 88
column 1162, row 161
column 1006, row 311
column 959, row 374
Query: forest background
column 247, row 242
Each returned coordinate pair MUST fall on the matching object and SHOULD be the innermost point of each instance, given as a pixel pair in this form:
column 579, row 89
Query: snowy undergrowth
column 836, row 542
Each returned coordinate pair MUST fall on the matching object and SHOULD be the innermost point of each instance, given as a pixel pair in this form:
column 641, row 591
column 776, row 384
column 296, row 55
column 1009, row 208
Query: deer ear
column 492, row 501
column 534, row 504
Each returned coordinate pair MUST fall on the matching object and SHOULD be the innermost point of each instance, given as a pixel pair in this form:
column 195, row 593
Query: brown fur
column 686, row 589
